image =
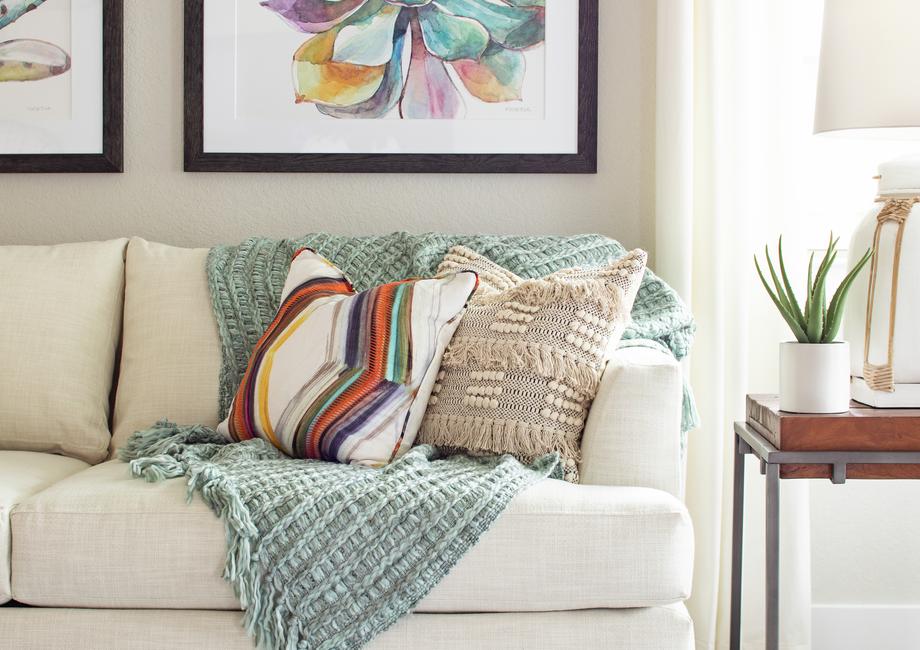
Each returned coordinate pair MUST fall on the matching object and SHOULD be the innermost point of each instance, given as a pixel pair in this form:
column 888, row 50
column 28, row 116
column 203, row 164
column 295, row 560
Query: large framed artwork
column 61, row 96
column 391, row 85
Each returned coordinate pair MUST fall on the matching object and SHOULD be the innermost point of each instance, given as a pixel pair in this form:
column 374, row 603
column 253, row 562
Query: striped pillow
column 344, row 376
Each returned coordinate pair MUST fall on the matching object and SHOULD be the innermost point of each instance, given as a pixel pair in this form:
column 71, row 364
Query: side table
column 865, row 443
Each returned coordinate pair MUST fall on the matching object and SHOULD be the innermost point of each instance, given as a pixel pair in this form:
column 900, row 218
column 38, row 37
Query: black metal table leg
column 737, row 544
column 749, row 441
column 772, row 552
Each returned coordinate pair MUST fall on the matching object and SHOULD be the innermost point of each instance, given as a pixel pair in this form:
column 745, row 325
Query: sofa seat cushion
column 104, row 539
column 22, row 474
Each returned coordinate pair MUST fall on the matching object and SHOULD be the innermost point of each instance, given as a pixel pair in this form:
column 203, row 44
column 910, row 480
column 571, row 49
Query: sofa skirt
column 649, row 628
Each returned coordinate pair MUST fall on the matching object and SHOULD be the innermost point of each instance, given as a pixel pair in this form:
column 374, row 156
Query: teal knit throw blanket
column 324, row 555
column 246, row 283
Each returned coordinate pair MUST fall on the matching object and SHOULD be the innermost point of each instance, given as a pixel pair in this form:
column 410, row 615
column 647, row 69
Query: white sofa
column 93, row 559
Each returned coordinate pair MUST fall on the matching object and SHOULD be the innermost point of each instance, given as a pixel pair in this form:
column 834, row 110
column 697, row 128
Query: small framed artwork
column 466, row 86
column 61, row 86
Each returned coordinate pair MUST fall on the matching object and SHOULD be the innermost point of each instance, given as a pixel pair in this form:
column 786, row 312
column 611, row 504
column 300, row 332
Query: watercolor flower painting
column 369, row 58
column 28, row 59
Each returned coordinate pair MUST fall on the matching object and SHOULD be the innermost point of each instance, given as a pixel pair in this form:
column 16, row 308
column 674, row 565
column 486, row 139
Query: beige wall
column 156, row 200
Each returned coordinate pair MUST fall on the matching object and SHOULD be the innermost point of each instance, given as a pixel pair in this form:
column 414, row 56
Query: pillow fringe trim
column 491, row 354
column 498, row 436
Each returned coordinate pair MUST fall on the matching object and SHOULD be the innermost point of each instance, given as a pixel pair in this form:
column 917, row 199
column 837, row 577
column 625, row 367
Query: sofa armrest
column 632, row 436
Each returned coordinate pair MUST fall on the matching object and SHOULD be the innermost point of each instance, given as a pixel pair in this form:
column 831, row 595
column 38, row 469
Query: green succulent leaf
column 820, row 321
column 780, row 292
column 796, row 328
column 838, row 302
column 825, row 262
column 818, row 306
column 793, row 303
column 808, row 287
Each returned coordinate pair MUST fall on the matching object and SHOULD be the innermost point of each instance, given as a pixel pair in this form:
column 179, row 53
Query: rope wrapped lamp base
column 880, row 377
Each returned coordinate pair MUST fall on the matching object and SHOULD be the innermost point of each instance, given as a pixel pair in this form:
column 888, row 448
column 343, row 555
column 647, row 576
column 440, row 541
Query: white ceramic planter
column 814, row 377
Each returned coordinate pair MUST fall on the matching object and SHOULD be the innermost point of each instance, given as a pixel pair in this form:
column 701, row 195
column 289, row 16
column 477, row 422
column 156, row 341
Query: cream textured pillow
column 525, row 363
column 170, row 351
column 60, row 315
column 344, row 376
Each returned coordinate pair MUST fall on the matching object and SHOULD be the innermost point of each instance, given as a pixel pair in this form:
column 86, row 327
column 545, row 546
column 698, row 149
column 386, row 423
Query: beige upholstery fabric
column 632, row 436
column 22, row 474
column 656, row 628
column 170, row 356
column 103, row 539
column 60, row 314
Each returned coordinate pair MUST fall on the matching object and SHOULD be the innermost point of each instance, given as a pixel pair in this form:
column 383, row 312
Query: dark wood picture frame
column 111, row 160
column 583, row 162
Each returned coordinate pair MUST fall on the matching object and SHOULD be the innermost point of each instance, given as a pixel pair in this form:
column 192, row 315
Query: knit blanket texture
column 324, row 555
column 246, row 283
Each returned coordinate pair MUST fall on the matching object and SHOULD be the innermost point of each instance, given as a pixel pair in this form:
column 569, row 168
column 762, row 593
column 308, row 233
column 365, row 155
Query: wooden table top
column 863, row 428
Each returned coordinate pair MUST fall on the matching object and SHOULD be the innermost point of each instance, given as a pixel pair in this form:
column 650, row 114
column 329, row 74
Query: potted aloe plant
column 815, row 368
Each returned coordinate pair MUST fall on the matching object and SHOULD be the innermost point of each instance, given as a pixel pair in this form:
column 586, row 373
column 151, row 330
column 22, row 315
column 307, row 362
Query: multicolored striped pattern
column 345, row 376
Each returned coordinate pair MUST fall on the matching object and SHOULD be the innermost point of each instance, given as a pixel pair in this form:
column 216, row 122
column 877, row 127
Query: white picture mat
column 82, row 132
column 229, row 125
column 46, row 99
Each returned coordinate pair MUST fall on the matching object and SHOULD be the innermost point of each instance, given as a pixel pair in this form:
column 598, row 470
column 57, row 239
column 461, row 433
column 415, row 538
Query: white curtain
column 718, row 165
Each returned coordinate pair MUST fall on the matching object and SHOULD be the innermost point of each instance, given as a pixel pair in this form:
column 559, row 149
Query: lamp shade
column 870, row 66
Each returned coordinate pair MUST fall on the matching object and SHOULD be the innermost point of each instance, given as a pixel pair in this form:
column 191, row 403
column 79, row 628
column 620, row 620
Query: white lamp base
column 892, row 347
column 904, row 395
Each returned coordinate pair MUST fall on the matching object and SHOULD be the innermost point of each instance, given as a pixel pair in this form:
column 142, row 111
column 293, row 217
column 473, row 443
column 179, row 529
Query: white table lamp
column 869, row 80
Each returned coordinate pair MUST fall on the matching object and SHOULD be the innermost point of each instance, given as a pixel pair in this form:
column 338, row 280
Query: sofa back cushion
column 170, row 358
column 60, row 315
